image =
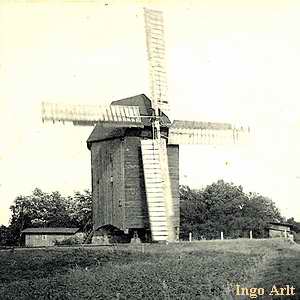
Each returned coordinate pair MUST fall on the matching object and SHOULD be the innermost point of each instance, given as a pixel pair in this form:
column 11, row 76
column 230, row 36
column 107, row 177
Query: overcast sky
column 226, row 60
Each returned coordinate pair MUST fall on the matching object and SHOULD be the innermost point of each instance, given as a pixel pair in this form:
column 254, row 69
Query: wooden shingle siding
column 44, row 240
column 118, row 187
column 173, row 158
column 136, row 213
column 107, row 183
column 122, row 203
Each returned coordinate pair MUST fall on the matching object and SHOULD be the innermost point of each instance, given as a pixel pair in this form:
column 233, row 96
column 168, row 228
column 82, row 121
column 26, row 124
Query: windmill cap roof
column 145, row 107
column 101, row 133
column 109, row 130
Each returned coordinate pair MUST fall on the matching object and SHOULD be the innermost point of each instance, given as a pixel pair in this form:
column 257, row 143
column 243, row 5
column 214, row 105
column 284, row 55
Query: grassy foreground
column 198, row 270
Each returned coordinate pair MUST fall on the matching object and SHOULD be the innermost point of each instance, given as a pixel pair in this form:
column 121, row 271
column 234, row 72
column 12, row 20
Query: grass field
column 198, row 270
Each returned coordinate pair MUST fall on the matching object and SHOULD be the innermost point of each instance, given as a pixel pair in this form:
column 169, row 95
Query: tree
column 81, row 210
column 258, row 212
column 192, row 210
column 225, row 207
column 38, row 210
column 5, row 236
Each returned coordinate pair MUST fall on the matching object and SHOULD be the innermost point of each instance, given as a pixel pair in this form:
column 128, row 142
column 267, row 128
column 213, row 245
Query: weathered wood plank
column 154, row 190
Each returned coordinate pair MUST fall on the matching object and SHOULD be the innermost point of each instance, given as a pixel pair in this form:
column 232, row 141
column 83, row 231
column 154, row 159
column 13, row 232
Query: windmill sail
column 90, row 114
column 195, row 132
column 181, row 132
column 154, row 25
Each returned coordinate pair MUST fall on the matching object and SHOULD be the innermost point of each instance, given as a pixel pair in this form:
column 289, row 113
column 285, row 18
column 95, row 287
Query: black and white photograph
column 149, row 149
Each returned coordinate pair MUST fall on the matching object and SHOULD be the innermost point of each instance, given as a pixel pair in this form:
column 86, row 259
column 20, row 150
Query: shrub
column 68, row 242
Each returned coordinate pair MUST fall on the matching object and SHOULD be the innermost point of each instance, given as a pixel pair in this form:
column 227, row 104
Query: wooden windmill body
column 135, row 150
column 119, row 175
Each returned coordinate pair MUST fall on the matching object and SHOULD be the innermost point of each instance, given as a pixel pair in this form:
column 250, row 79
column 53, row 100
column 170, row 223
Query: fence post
column 250, row 234
column 222, row 236
column 285, row 233
column 190, row 236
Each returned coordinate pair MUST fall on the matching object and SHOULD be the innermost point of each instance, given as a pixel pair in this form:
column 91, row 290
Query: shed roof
column 45, row 230
column 281, row 224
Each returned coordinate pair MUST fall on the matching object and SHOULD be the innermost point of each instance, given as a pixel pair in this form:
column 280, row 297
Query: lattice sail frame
column 208, row 133
column 90, row 114
column 180, row 132
column 156, row 50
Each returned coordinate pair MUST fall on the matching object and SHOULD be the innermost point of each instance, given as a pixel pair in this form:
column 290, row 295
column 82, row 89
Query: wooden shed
column 279, row 229
column 41, row 237
column 118, row 179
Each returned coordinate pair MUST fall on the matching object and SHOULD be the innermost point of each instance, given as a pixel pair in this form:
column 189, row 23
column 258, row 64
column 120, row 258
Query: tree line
column 226, row 207
column 219, row 207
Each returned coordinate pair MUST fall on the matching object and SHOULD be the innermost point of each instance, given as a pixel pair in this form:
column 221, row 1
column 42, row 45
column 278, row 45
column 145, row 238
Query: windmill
column 135, row 150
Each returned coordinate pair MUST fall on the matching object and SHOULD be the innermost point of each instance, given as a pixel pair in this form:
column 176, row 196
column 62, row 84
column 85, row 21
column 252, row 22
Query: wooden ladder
column 158, row 189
